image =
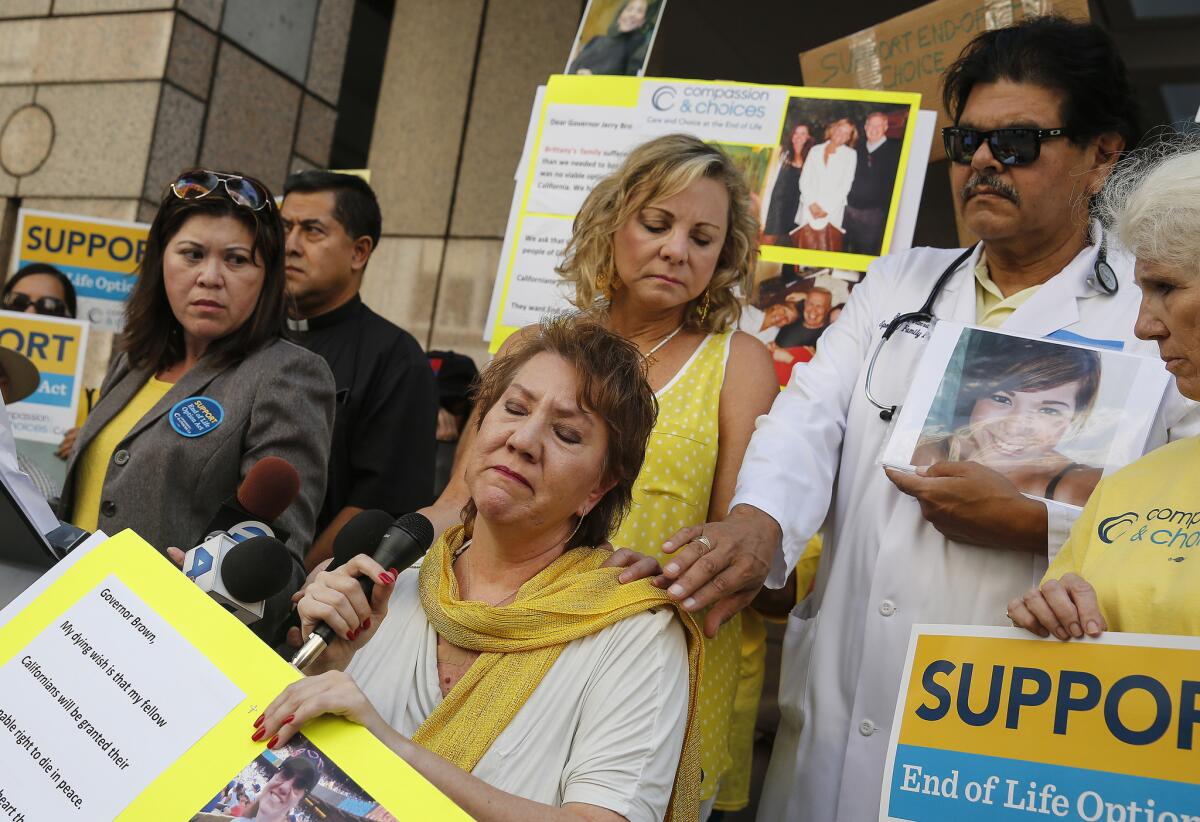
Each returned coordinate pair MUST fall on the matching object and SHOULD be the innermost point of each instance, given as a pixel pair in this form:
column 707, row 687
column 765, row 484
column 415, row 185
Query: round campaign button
column 196, row 416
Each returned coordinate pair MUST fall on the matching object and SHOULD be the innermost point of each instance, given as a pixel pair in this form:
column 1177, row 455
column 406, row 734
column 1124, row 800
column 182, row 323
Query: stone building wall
column 102, row 102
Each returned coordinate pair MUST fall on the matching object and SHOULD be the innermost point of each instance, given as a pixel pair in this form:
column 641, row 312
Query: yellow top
column 93, row 463
column 992, row 308
column 1138, row 543
column 673, row 491
column 571, row 598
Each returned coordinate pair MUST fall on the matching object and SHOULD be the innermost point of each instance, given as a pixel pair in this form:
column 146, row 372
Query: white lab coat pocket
column 796, row 662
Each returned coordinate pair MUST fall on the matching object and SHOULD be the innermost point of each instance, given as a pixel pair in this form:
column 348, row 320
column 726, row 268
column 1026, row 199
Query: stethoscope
column 1103, row 278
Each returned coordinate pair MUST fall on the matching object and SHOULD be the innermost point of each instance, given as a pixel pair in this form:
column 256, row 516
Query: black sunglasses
column 1011, row 146
column 51, row 306
column 242, row 190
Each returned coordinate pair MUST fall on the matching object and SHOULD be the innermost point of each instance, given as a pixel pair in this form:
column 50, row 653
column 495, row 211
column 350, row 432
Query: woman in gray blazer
column 205, row 385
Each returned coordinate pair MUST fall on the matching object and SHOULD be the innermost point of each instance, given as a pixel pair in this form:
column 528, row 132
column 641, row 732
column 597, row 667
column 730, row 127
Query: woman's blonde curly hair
column 653, row 172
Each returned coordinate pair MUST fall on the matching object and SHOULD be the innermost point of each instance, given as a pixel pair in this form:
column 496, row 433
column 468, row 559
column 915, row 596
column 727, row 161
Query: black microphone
column 246, row 520
column 366, row 528
column 403, row 543
column 248, row 573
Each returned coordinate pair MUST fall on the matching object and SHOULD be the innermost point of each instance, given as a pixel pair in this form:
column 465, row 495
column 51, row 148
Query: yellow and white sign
column 99, row 256
column 586, row 126
column 127, row 693
column 995, row 724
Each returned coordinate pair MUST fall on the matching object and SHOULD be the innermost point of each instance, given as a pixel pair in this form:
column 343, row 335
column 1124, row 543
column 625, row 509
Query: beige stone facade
column 102, row 102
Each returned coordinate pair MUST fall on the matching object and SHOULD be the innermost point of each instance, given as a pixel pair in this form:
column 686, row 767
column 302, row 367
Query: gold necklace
column 467, row 586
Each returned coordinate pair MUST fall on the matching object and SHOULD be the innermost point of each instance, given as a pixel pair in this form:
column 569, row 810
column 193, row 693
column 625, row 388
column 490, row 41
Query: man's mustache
column 994, row 184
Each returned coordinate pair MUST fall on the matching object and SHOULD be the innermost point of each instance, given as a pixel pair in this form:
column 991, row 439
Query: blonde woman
column 658, row 252
column 825, row 186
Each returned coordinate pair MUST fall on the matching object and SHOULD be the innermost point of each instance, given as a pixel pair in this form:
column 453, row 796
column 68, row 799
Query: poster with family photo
column 615, row 37
column 790, row 307
column 1052, row 417
column 836, row 179
column 296, row 782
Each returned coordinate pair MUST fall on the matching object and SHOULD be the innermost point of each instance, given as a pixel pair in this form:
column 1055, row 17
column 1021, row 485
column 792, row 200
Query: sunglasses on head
column 242, row 190
column 1010, row 146
column 51, row 306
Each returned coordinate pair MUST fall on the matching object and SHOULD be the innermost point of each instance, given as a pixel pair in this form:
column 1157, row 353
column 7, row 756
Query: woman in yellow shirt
column 1132, row 562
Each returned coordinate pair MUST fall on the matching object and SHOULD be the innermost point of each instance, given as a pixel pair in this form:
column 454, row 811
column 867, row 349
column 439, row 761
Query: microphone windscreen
column 269, row 488
column 256, row 569
column 419, row 527
column 361, row 535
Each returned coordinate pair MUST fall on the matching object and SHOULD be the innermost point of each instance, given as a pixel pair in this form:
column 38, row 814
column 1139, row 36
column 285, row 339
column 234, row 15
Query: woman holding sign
column 205, row 385
column 1132, row 562
column 512, row 669
column 657, row 254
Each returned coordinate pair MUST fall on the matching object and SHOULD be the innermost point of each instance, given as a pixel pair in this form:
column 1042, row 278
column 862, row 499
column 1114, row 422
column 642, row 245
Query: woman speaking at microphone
column 658, row 253
column 205, row 385
column 511, row 670
column 1131, row 562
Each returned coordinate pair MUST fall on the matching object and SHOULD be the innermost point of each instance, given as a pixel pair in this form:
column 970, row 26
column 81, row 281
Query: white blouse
column 826, row 184
column 604, row 727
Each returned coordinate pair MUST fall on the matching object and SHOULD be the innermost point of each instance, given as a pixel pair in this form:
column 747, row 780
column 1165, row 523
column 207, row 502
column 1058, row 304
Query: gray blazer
column 279, row 401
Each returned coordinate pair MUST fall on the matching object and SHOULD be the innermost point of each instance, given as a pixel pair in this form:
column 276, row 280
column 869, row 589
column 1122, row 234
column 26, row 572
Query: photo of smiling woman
column 1010, row 405
column 296, row 783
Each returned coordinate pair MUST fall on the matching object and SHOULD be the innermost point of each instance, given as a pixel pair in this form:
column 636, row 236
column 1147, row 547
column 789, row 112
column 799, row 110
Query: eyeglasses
column 1011, row 146
column 242, row 190
column 51, row 306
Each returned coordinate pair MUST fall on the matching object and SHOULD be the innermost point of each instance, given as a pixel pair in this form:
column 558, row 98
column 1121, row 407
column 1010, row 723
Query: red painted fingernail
column 258, row 734
column 274, row 741
column 385, row 579
column 258, row 722
column 393, row 572
column 366, row 624
column 289, row 719
column 350, row 635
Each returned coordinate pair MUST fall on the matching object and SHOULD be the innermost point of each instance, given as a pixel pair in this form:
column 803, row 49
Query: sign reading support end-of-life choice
column 99, row 256
column 995, row 724
column 587, row 125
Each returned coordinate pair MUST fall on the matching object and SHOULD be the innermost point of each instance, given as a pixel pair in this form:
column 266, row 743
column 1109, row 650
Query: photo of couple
column 791, row 308
column 835, row 175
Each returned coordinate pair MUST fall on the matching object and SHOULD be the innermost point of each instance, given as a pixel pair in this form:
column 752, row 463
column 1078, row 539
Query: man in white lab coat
column 954, row 545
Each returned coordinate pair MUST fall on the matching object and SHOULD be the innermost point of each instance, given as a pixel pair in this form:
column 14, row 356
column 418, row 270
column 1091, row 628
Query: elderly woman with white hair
column 1132, row 562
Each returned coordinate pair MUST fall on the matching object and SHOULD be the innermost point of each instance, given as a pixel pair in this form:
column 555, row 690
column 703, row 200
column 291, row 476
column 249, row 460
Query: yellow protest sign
column 588, row 124
column 99, row 256
column 127, row 693
column 996, row 724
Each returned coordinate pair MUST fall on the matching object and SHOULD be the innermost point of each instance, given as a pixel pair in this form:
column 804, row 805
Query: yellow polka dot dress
column 673, row 491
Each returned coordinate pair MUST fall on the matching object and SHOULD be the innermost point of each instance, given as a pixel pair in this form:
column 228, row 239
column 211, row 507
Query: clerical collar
column 340, row 314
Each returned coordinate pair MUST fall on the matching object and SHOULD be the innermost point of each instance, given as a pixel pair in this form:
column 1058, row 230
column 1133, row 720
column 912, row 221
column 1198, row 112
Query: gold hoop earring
column 704, row 306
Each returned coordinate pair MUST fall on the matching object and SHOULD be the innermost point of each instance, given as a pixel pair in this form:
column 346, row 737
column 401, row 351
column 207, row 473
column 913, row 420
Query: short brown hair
column 612, row 384
column 656, row 171
column 153, row 336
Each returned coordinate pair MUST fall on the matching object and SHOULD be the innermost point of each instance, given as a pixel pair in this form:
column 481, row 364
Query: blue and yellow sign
column 994, row 724
column 100, row 257
column 57, row 347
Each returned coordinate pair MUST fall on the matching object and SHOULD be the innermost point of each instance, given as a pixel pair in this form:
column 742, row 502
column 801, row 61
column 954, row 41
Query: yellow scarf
column 518, row 643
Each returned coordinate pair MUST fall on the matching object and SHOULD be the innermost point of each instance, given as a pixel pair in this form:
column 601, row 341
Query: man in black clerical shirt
column 383, row 433
column 871, row 192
